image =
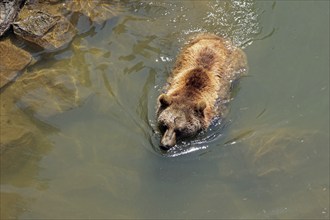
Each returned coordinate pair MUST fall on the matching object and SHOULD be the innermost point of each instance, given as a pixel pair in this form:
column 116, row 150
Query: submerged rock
column 16, row 128
column 23, row 144
column 12, row 204
column 8, row 12
column 96, row 10
column 12, row 61
column 278, row 150
column 44, row 25
column 47, row 92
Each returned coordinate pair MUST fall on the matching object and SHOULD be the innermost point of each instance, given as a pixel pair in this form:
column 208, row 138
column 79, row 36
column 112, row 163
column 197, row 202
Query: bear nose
column 164, row 147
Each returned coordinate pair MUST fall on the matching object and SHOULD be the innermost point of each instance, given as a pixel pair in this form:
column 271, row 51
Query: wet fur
column 199, row 85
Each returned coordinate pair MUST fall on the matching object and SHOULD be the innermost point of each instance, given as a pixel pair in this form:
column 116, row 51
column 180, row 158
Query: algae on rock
column 12, row 60
column 44, row 26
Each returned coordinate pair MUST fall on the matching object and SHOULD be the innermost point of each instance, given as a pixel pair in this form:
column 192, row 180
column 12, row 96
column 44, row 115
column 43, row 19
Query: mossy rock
column 44, row 26
column 12, row 60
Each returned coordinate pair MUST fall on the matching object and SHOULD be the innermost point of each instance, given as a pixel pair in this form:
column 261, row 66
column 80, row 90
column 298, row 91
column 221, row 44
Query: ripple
column 200, row 142
column 237, row 20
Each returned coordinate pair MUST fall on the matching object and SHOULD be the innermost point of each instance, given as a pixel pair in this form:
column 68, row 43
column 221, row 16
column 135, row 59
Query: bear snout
column 168, row 139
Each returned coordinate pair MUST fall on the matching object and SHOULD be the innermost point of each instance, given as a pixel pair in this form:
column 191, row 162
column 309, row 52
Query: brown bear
column 198, row 87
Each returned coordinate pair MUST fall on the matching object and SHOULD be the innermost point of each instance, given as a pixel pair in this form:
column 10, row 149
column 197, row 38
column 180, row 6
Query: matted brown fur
column 200, row 81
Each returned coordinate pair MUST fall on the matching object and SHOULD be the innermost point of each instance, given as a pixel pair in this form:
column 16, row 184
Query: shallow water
column 93, row 151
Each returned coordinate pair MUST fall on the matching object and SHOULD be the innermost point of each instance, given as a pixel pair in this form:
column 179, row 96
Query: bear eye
column 178, row 133
column 183, row 132
column 162, row 128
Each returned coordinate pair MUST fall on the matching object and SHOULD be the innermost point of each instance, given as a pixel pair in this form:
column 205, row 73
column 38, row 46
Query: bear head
column 178, row 119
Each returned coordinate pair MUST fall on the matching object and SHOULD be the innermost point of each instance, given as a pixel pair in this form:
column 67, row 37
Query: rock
column 23, row 144
column 12, row 205
column 277, row 150
column 42, row 1
column 47, row 92
column 97, row 10
column 36, row 25
column 12, row 61
column 44, row 26
column 16, row 129
column 8, row 12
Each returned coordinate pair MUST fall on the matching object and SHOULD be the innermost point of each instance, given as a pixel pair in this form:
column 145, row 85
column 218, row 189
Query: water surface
column 94, row 151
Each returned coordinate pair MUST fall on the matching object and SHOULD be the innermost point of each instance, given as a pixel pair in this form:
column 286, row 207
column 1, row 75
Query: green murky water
column 88, row 149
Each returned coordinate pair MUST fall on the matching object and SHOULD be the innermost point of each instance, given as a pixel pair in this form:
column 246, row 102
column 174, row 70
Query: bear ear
column 200, row 107
column 164, row 100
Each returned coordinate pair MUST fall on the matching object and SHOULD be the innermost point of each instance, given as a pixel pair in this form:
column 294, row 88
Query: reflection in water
column 82, row 133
